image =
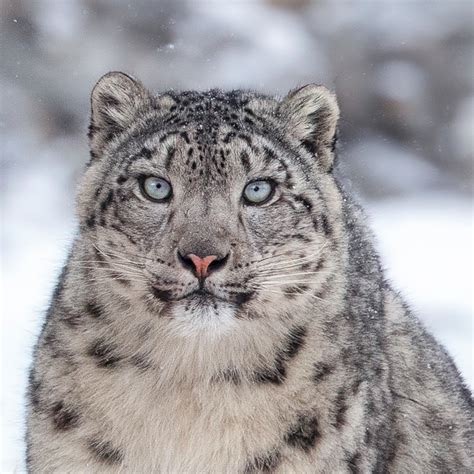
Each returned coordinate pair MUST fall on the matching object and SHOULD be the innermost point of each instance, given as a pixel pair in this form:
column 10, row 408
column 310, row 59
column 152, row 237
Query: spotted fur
column 294, row 355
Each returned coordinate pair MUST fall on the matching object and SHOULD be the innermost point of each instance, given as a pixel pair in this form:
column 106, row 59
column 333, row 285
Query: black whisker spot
column 243, row 297
column 231, row 375
column 304, row 433
column 353, row 463
column 94, row 310
column 105, row 452
column 163, row 295
column 71, row 318
column 263, row 463
column 295, row 341
column 141, row 362
column 104, row 353
column 64, row 417
column 341, row 409
column 321, row 371
column 275, row 375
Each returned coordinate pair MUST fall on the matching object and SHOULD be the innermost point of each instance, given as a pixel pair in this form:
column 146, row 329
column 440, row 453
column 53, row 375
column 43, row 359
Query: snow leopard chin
column 203, row 315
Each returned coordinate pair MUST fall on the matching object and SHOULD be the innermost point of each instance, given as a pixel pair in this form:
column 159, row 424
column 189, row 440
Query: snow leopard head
column 212, row 202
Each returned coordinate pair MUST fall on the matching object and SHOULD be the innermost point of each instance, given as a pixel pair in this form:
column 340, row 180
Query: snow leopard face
column 211, row 204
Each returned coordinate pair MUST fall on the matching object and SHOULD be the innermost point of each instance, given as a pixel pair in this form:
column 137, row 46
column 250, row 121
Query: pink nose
column 201, row 264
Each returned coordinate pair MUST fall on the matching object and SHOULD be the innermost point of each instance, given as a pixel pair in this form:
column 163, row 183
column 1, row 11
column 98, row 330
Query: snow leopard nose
column 202, row 266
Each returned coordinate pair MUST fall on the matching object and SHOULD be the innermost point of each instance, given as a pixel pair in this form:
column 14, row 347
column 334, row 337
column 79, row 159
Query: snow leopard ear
column 115, row 102
column 311, row 114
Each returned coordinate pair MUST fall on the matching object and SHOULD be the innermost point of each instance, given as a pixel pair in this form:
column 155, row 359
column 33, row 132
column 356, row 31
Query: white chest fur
column 212, row 429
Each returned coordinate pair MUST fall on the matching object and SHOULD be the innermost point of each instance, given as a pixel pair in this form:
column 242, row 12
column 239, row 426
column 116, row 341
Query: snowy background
column 403, row 71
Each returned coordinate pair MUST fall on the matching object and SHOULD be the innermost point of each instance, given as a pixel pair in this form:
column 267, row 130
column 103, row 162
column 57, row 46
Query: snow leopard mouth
column 203, row 296
column 206, row 297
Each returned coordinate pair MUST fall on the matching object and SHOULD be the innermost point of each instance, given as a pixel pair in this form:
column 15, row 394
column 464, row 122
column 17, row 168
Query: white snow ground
column 426, row 243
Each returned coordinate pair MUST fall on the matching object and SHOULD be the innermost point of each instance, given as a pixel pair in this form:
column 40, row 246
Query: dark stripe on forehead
column 245, row 160
column 168, row 134
column 146, row 153
column 229, row 137
column 267, row 130
column 169, row 156
column 246, row 138
column 280, row 140
column 270, row 157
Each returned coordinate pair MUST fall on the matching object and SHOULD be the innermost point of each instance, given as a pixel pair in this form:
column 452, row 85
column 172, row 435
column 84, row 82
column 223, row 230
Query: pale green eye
column 156, row 189
column 258, row 192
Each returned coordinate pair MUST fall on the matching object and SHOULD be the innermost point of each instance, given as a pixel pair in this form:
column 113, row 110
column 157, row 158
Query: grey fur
column 304, row 359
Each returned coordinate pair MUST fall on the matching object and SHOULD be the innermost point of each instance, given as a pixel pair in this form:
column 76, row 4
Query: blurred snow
column 406, row 92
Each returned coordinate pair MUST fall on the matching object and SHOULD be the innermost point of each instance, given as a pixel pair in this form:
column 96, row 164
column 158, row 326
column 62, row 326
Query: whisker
column 282, row 293
column 113, row 269
column 108, row 280
column 278, row 284
column 115, row 254
column 289, row 265
column 293, row 261
column 281, row 275
column 124, row 276
column 110, row 263
column 122, row 253
column 130, row 254
column 287, row 253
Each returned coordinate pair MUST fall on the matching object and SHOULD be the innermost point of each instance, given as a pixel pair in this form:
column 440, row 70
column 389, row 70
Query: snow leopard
column 223, row 308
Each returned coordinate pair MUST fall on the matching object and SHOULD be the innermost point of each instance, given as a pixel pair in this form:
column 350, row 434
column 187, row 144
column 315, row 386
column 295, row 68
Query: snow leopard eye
column 258, row 192
column 156, row 189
